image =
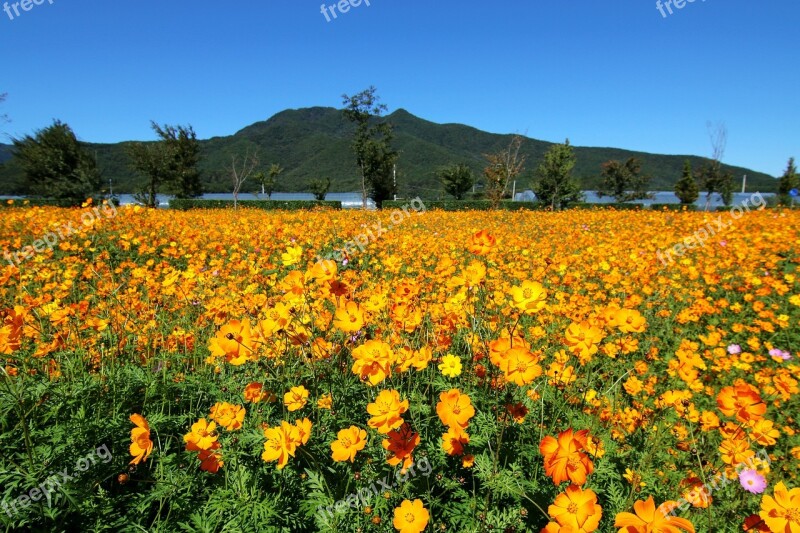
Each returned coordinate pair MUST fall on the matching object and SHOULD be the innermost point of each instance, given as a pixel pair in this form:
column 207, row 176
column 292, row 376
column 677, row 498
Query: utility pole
column 514, row 192
column 744, row 183
column 394, row 180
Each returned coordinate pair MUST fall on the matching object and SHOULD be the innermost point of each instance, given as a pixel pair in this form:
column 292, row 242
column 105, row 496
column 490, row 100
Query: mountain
column 315, row 143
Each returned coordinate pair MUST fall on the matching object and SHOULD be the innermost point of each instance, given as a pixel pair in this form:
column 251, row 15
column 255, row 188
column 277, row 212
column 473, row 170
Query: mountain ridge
column 314, row 142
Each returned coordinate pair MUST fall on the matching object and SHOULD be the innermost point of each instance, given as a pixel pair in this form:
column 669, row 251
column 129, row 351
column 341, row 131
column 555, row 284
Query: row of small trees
column 555, row 186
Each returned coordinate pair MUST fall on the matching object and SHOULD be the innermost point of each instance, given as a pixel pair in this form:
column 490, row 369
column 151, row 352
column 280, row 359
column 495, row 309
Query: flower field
column 458, row 372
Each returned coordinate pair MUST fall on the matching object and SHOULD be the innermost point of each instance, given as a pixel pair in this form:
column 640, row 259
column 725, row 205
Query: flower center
column 528, row 294
column 793, row 515
column 573, row 508
column 410, row 518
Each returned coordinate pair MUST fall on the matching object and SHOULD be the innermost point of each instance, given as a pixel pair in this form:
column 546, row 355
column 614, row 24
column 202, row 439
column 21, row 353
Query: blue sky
column 601, row 73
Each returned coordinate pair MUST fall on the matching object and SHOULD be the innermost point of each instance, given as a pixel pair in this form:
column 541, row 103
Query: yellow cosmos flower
column 296, row 398
column 450, row 366
column 529, row 298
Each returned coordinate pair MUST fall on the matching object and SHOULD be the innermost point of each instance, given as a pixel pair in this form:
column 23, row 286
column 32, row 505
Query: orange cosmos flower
column 583, row 338
column 781, row 512
column 411, row 517
column 629, row 321
column 755, row 524
column 254, row 393
column 455, row 409
column 11, row 330
column 228, row 415
column 530, row 298
column 296, row 398
column 233, row 341
column 400, row 443
column 304, row 430
column 648, row 519
column 520, row 366
column 454, row 440
column 203, row 436
column 349, row 442
column 499, row 347
column 325, row 401
column 518, row 412
column 481, row 243
column 698, row 494
column 735, row 451
column 764, row 432
column 387, row 411
column 742, row 401
column 349, row 318
column 322, row 271
column 210, row 461
column 564, row 457
column 577, row 510
column 141, row 445
column 281, row 444
column 373, row 361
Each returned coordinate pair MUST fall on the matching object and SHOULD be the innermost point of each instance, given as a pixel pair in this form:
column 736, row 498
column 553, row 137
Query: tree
column 371, row 145
column 787, row 182
column 686, row 188
column 554, row 183
column 457, row 179
column 169, row 164
column 714, row 180
column 149, row 160
column 503, row 167
column 623, row 181
column 4, row 118
column 241, row 170
column 183, row 150
column 268, row 185
column 319, row 188
column 57, row 166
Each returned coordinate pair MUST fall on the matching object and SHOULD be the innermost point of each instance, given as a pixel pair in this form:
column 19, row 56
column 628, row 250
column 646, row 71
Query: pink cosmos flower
column 780, row 354
column 752, row 481
column 734, row 349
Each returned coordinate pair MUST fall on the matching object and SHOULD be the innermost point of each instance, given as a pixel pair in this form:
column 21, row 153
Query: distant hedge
column 464, row 205
column 616, row 206
column 266, row 205
column 673, row 207
column 37, row 202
